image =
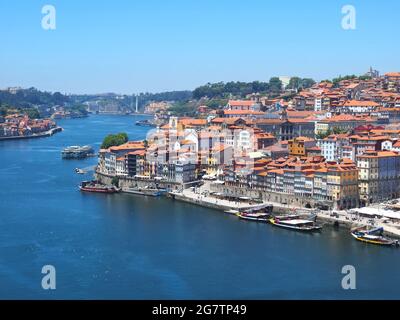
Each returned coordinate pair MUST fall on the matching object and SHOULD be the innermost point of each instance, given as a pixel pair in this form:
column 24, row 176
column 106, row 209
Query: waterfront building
column 131, row 161
column 107, row 163
column 18, row 125
column 120, row 167
column 379, row 176
column 179, row 171
column 305, row 181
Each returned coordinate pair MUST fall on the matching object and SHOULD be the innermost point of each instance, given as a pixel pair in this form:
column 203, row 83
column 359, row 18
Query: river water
column 133, row 247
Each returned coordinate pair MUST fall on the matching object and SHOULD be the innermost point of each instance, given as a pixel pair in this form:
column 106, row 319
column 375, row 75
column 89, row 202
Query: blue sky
column 129, row 46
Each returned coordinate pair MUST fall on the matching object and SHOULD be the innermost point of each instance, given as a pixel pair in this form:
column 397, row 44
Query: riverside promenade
column 200, row 196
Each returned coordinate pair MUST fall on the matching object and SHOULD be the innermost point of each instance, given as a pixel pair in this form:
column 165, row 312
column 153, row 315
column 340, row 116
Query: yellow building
column 342, row 184
column 298, row 146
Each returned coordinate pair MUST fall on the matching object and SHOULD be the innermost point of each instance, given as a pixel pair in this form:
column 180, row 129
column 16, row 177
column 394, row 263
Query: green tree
column 294, row 83
column 3, row 111
column 337, row 130
column 307, row 83
column 275, row 85
column 115, row 181
column 32, row 113
column 114, row 140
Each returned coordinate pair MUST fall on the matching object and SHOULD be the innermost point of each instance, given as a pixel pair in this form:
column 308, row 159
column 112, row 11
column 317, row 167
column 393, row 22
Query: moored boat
column 373, row 236
column 295, row 224
column 80, row 171
column 257, row 216
column 93, row 186
column 232, row 211
column 145, row 123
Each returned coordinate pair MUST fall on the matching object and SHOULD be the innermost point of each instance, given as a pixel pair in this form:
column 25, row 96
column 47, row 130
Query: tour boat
column 257, row 216
column 295, row 224
column 373, row 236
column 77, row 152
column 80, row 171
column 93, row 186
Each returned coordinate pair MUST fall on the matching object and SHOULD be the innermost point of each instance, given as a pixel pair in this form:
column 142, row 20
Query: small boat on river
column 295, row 223
column 259, row 214
column 94, row 186
column 258, row 217
column 373, row 236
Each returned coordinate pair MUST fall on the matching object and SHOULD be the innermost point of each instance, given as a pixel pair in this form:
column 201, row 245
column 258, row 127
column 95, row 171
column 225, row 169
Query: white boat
column 232, row 211
column 296, row 224
column 258, row 216
column 80, row 171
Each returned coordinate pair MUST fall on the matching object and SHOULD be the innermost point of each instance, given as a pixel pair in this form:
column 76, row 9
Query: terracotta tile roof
column 237, row 103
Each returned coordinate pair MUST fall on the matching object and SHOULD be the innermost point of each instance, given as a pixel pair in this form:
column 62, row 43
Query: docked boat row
column 307, row 223
column 293, row 221
column 288, row 221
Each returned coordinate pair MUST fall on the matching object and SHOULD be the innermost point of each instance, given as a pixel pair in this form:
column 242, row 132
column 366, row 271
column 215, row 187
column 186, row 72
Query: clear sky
column 129, row 46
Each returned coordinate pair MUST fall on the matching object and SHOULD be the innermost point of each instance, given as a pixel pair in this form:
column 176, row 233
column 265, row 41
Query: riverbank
column 201, row 196
column 341, row 219
column 33, row 136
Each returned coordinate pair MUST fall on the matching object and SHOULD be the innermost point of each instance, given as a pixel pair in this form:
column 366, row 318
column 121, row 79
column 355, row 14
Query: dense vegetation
column 240, row 89
column 114, row 140
column 336, row 80
column 36, row 103
column 297, row 83
column 177, row 96
column 187, row 108
column 327, row 133
column 225, row 90
column 32, row 113
column 31, row 97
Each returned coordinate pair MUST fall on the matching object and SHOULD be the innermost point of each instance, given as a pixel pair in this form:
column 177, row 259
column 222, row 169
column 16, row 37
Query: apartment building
column 379, row 176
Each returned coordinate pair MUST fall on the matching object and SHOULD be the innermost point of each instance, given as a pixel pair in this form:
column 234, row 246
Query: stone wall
column 285, row 199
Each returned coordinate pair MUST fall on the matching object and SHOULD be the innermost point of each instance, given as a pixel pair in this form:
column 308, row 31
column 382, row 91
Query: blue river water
column 133, row 247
